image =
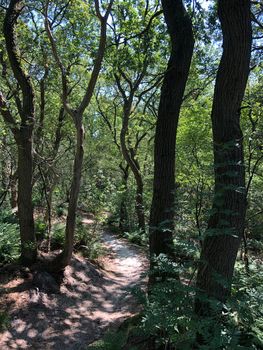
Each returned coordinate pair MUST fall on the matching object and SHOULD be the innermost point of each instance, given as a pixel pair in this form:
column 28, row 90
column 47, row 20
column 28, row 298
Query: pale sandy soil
column 91, row 300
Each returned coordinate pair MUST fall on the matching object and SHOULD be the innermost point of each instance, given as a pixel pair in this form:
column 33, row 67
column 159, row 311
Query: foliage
column 168, row 315
column 9, row 238
column 88, row 241
column 111, row 341
column 4, row 321
column 58, row 235
column 136, row 237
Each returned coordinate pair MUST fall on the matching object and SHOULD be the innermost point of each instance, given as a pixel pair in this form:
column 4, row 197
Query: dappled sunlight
column 90, row 300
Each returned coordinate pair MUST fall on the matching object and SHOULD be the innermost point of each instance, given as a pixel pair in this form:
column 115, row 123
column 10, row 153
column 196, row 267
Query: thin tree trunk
column 162, row 208
column 133, row 164
column 64, row 259
column 226, row 223
column 77, row 115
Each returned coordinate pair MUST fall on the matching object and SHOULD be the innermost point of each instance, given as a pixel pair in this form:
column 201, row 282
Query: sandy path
column 90, row 300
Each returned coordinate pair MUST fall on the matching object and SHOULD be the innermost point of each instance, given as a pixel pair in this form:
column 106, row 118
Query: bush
column 169, row 317
column 88, row 241
column 136, row 237
column 7, row 216
column 40, row 229
column 4, row 321
column 58, row 235
column 9, row 242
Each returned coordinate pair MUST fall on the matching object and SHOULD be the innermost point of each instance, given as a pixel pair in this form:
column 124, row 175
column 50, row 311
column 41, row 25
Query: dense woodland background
column 106, row 109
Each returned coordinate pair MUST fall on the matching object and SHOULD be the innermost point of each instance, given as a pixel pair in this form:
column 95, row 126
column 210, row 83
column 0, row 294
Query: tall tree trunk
column 133, row 164
column 162, row 208
column 23, row 135
column 64, row 259
column 123, row 222
column 25, row 206
column 13, row 189
column 226, row 223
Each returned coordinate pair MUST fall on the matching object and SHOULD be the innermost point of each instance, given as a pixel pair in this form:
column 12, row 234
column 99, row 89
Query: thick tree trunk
column 13, row 190
column 23, row 135
column 226, row 223
column 162, row 209
column 123, row 222
column 25, row 206
column 139, row 205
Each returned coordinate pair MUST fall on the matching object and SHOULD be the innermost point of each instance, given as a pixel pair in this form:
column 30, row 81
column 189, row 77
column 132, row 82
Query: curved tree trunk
column 64, row 259
column 162, row 209
column 77, row 115
column 23, row 136
column 133, row 164
column 226, row 223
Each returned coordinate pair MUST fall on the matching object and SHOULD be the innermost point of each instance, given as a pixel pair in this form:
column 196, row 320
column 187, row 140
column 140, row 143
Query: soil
column 90, row 300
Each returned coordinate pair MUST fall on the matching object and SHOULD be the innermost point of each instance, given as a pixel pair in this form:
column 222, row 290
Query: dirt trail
column 90, row 300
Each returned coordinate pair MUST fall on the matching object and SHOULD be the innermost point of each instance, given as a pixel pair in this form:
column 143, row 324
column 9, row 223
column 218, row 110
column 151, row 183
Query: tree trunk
column 139, row 205
column 13, row 190
column 226, row 223
column 25, row 206
column 162, row 208
column 133, row 164
column 123, row 223
column 64, row 259
column 22, row 134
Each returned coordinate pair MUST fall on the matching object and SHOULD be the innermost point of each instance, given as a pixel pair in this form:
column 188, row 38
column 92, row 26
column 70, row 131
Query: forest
column 131, row 183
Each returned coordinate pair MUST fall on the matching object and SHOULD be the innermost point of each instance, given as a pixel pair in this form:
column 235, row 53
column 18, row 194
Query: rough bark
column 226, row 223
column 23, row 136
column 162, row 208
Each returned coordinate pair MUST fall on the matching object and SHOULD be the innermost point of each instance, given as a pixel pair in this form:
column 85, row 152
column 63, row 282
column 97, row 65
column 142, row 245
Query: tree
column 226, row 222
column 23, row 134
column 77, row 116
column 162, row 209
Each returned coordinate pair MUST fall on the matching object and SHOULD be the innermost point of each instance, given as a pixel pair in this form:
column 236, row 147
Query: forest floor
column 92, row 299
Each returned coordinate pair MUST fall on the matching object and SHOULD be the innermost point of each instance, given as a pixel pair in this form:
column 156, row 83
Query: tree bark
column 65, row 258
column 25, row 205
column 123, row 222
column 23, row 136
column 226, row 222
column 77, row 115
column 162, row 208
column 133, row 164
column 13, row 189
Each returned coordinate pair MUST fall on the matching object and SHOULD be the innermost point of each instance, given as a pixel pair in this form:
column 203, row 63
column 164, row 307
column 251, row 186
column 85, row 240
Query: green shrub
column 169, row 317
column 7, row 216
column 4, row 321
column 136, row 237
column 58, row 235
column 9, row 242
column 40, row 229
column 111, row 341
column 60, row 211
column 88, row 241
